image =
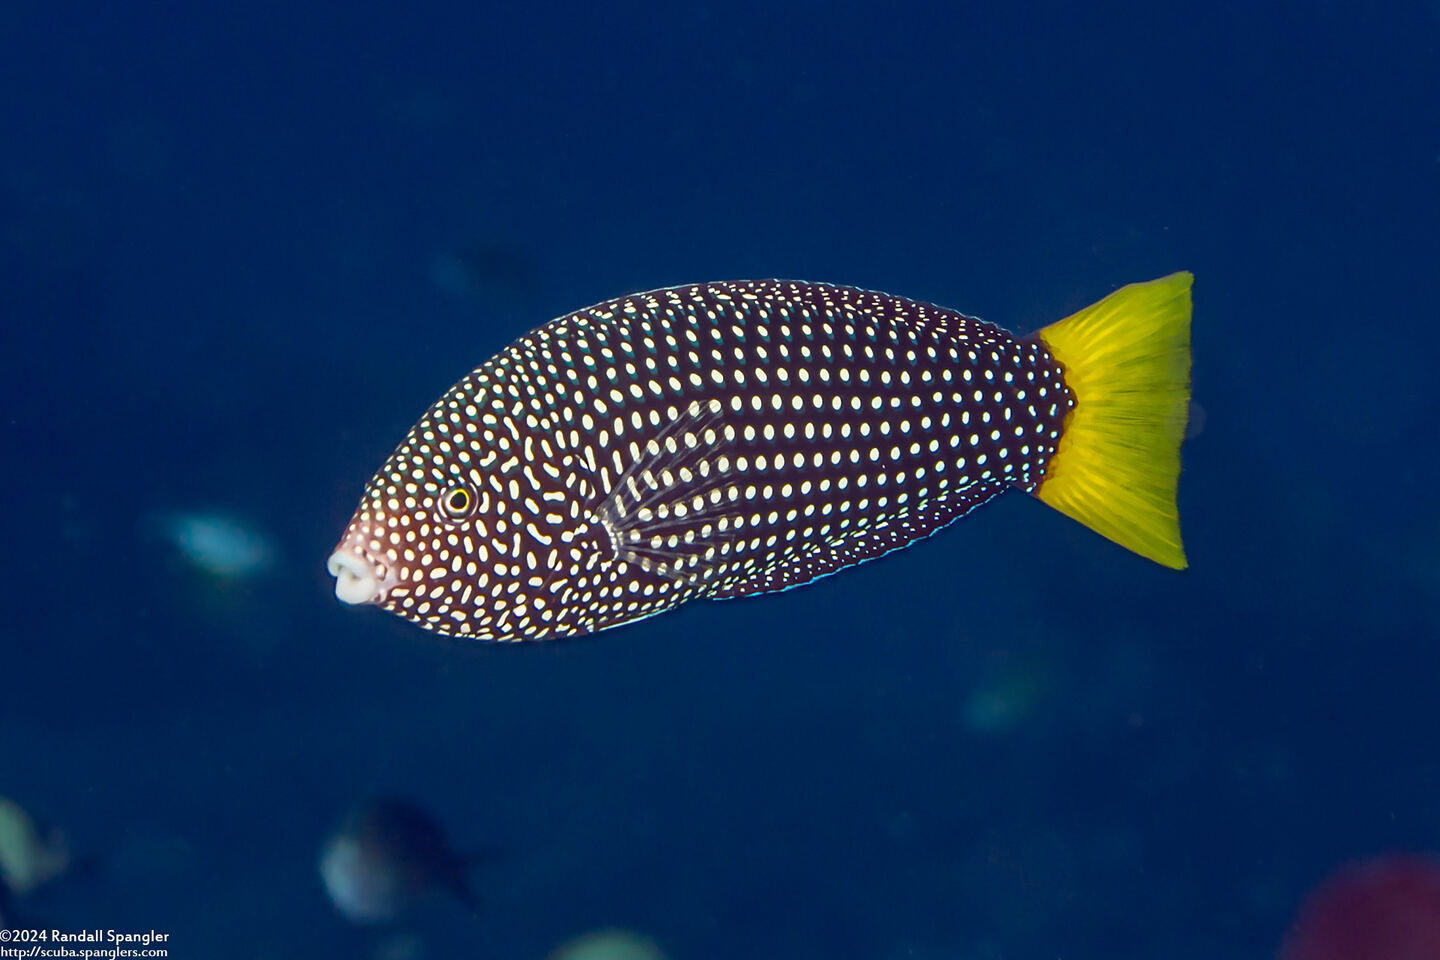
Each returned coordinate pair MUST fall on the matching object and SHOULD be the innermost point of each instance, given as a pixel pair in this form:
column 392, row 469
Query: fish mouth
column 357, row 579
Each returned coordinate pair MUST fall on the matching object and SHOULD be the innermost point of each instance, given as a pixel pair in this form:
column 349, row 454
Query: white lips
column 355, row 580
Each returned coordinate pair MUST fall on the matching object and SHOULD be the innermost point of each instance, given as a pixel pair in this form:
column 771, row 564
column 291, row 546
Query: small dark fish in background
column 500, row 278
column 730, row 439
column 385, row 857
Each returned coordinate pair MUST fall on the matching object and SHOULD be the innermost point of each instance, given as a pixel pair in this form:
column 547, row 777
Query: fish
column 216, row 542
column 385, row 856
column 33, row 853
column 731, row 439
column 608, row 944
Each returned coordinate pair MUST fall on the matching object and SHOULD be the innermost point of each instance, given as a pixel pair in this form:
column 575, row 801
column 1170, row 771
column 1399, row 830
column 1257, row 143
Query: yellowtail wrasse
column 729, row 439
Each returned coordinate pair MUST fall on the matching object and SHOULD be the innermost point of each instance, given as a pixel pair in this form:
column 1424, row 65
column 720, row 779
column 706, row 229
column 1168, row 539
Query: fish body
column 387, row 855
column 729, row 439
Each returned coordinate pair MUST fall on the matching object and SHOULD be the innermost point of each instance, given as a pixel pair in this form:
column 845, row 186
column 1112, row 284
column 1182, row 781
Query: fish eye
column 457, row 502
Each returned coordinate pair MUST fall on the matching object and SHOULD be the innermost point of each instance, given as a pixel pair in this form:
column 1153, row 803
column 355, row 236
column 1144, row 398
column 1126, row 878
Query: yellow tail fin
column 1127, row 361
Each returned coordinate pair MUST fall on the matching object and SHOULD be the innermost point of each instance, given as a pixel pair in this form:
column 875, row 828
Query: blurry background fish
column 499, row 278
column 223, row 572
column 216, row 542
column 32, row 854
column 608, row 945
column 386, row 856
column 1007, row 696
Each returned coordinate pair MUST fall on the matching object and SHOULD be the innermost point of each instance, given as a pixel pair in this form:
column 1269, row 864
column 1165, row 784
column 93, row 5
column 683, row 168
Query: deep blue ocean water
column 242, row 247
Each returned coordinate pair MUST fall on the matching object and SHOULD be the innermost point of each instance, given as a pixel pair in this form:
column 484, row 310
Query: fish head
column 415, row 524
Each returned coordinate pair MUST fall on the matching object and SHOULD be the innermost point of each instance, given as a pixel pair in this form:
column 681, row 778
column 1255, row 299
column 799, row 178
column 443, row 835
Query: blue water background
column 243, row 246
